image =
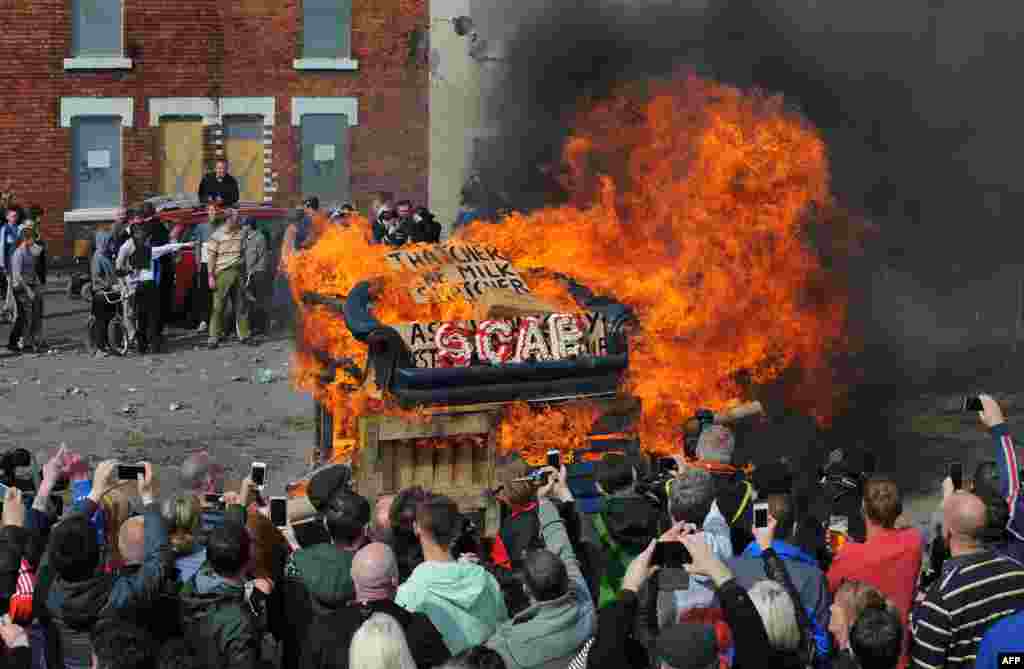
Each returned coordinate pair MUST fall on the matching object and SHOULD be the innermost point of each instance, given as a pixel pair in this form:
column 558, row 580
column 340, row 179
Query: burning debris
column 691, row 208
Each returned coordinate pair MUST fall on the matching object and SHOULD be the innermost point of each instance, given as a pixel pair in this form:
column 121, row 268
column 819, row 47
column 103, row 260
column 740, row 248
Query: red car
column 182, row 217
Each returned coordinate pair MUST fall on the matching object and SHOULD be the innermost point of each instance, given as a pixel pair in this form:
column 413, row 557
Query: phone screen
column 760, row 516
column 259, row 473
column 956, row 473
column 130, row 472
column 279, row 511
column 972, row 404
column 554, row 459
column 670, row 554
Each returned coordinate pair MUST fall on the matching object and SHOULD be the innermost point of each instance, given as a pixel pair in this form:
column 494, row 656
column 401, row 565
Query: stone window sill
column 90, row 215
column 98, row 63
column 341, row 64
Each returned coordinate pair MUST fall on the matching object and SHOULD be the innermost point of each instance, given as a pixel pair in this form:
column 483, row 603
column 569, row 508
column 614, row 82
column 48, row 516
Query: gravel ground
column 159, row 408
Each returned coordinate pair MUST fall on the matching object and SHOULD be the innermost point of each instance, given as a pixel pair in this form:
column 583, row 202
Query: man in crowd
column 219, row 187
column 28, row 294
column 318, row 578
column 620, row 531
column 313, row 221
column 734, row 497
column 382, row 201
column 9, row 240
column 139, row 260
column 104, row 282
column 997, row 482
column 375, row 576
column 216, row 613
column 200, row 234
column 462, row 600
column 803, row 568
column 226, row 262
column 691, row 501
column 890, row 559
column 81, row 594
column 978, row 586
column 159, row 235
column 257, row 276
column 562, row 616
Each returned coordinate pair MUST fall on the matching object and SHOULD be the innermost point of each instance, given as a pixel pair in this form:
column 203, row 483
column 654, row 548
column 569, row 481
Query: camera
column 468, row 540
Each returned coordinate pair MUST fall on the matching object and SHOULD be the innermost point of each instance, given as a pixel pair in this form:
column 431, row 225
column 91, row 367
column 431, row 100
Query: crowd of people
column 125, row 579
column 240, row 260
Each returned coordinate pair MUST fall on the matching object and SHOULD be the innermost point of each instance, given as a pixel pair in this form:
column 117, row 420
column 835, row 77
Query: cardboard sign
column 98, row 160
column 446, row 272
column 323, row 153
column 496, row 342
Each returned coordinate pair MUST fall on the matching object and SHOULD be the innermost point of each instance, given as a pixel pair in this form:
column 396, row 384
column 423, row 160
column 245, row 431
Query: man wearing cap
column 219, row 187
column 375, row 576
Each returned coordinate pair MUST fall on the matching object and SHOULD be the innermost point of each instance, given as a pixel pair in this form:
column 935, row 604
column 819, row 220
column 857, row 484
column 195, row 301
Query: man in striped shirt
column 978, row 586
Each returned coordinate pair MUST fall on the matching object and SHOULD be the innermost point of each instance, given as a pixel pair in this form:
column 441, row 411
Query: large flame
column 691, row 202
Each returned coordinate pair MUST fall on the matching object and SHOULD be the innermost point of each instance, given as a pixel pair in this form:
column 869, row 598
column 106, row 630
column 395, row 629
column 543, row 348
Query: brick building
column 110, row 101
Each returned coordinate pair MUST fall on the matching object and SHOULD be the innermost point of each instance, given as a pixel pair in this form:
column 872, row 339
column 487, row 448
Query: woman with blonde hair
column 181, row 514
column 116, row 506
column 380, row 643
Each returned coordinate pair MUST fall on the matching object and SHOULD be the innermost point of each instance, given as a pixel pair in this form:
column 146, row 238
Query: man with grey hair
column 375, row 576
column 734, row 495
column 691, row 500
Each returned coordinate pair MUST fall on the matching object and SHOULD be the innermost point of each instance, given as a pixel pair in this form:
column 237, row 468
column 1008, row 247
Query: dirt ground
column 159, row 408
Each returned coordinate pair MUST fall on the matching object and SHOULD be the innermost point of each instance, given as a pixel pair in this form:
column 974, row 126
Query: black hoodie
column 632, row 523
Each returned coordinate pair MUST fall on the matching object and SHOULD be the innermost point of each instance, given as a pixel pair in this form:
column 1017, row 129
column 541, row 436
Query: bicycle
column 116, row 334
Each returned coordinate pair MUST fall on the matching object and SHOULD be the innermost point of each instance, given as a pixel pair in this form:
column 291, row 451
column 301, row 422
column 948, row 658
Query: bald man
column 157, row 611
column 375, row 576
column 977, row 587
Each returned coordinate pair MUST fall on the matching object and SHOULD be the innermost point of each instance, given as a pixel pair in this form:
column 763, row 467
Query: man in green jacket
column 461, row 598
column 216, row 613
column 561, row 618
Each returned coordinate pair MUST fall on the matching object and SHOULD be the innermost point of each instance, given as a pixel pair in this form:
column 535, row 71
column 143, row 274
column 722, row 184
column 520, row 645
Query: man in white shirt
column 137, row 262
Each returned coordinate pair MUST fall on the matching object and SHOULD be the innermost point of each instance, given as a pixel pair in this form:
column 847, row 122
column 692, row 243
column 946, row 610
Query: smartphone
column 130, row 472
column 670, row 554
column 760, row 516
column 258, row 475
column 555, row 458
column 279, row 511
column 667, row 465
column 213, row 498
column 971, row 404
column 956, row 473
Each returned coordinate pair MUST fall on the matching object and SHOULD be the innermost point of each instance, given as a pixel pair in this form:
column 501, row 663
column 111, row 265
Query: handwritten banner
column 452, row 270
column 496, row 342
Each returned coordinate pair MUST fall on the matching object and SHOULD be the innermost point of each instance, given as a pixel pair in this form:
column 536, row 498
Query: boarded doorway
column 181, row 147
column 243, row 146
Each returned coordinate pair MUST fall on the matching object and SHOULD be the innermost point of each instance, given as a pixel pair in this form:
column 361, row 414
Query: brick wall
column 198, row 48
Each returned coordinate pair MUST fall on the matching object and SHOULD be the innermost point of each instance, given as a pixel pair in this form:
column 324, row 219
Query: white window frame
column 347, row 64
column 101, row 62
column 70, row 107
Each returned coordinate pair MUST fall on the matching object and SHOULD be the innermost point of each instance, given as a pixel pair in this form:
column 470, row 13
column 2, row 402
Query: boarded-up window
column 325, row 168
column 181, row 154
column 96, row 28
column 96, row 162
column 243, row 145
column 326, row 28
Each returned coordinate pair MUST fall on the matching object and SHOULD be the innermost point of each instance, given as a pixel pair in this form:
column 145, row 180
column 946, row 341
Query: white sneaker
column 202, row 327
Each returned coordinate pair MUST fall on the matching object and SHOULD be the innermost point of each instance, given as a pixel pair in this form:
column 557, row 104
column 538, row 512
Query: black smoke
column 918, row 102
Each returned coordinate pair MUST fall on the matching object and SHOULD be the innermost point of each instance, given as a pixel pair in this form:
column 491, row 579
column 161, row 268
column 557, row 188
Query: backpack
column 615, row 566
